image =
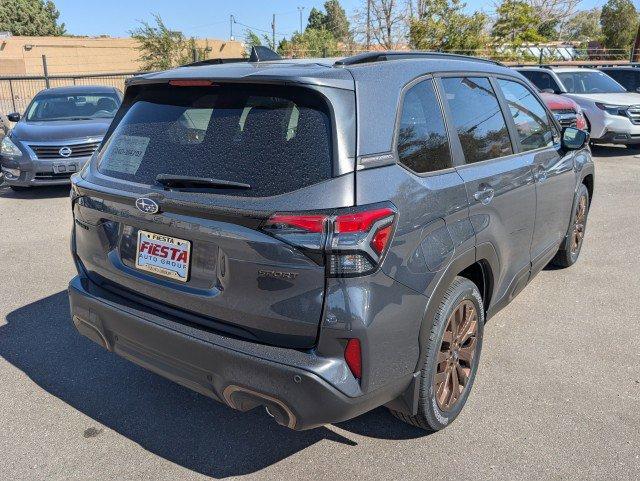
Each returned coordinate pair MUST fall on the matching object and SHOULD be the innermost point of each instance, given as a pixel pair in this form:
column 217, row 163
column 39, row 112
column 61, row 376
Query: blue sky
column 203, row 18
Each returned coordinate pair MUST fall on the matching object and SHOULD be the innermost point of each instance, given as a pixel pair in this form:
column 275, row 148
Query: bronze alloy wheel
column 578, row 225
column 457, row 351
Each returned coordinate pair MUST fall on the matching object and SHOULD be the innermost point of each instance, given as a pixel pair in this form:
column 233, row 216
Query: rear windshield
column 275, row 139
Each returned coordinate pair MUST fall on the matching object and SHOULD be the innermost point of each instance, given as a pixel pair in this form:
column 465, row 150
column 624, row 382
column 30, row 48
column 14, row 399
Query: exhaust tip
column 243, row 399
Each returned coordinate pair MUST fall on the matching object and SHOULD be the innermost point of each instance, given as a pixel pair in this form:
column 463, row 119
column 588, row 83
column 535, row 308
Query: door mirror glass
column 13, row 117
column 574, row 139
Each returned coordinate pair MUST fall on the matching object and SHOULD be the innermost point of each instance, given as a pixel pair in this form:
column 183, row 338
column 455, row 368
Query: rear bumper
column 241, row 374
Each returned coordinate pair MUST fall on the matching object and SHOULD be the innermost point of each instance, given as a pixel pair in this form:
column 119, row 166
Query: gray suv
column 323, row 237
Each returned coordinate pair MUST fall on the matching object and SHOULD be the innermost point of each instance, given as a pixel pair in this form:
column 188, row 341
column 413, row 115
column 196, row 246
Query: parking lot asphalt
column 557, row 394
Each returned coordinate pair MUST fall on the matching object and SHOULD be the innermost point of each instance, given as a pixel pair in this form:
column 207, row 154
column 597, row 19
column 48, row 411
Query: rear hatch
column 172, row 211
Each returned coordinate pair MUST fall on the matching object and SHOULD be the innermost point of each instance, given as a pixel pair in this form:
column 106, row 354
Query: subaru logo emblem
column 146, row 205
column 65, row 151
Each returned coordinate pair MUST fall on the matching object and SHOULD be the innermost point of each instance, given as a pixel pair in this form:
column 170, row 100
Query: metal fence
column 17, row 92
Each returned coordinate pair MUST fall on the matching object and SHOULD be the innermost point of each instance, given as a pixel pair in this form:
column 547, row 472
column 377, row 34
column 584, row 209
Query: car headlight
column 9, row 149
column 613, row 109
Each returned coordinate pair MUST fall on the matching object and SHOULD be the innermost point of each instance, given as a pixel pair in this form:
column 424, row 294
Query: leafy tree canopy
column 619, row 21
column 162, row 48
column 517, row 23
column 30, row 18
column 333, row 19
column 443, row 25
column 584, row 26
column 311, row 43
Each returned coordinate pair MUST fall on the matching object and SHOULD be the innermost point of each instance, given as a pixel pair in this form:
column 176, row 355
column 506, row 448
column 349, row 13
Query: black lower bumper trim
column 293, row 395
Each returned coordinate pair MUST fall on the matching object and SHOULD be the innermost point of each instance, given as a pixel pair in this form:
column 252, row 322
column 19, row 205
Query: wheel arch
column 479, row 265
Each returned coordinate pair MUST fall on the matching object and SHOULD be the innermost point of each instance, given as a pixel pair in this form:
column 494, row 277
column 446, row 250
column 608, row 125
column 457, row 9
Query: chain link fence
column 17, row 92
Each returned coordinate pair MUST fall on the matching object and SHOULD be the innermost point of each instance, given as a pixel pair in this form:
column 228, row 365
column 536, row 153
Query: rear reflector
column 353, row 357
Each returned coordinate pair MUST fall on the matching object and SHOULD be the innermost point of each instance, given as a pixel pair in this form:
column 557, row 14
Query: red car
column 565, row 110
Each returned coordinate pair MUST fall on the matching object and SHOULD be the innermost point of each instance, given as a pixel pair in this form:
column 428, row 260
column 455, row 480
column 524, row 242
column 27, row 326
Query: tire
column 434, row 414
column 569, row 252
column 18, row 188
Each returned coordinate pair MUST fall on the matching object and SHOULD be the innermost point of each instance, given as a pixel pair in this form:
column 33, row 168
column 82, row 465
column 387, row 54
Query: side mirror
column 14, row 117
column 574, row 139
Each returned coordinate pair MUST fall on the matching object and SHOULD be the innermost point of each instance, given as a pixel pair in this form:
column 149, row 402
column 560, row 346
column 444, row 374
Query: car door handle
column 484, row 195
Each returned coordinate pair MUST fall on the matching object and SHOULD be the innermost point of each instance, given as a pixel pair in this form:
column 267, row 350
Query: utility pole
column 232, row 20
column 301, row 9
column 635, row 53
column 273, row 32
column 368, row 24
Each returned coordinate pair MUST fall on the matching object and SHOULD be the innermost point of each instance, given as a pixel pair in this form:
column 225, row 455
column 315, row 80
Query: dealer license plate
column 163, row 255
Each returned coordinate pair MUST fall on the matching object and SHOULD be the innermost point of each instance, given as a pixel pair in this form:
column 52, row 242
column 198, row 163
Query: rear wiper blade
column 188, row 181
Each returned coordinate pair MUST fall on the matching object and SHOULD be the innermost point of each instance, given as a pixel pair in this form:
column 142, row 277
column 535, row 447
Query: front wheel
column 453, row 353
column 570, row 249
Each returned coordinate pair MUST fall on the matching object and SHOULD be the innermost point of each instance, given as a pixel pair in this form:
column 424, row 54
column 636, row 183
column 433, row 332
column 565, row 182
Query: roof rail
column 369, row 57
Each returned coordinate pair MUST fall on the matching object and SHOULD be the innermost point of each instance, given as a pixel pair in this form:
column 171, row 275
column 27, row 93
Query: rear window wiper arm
column 188, row 181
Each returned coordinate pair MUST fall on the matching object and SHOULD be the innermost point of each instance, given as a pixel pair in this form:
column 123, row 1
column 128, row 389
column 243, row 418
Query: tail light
column 352, row 243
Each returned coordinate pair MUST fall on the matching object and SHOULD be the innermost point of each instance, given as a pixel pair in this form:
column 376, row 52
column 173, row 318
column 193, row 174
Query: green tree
column 584, row 26
column 443, row 25
column 162, row 48
column 336, row 20
column 311, row 43
column 317, row 19
column 30, row 18
column 619, row 21
column 517, row 23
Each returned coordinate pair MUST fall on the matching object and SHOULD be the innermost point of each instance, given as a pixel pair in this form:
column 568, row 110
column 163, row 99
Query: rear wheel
column 570, row 250
column 453, row 354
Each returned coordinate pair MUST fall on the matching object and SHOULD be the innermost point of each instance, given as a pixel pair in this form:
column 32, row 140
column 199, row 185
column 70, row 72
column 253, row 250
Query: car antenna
column 260, row 53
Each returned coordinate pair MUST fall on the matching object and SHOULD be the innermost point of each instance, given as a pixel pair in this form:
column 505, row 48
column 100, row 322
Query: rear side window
column 276, row 140
column 529, row 115
column 542, row 80
column 478, row 118
column 423, row 145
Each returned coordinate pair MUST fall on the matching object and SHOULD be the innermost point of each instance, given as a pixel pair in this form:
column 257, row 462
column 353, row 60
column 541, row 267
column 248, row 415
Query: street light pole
column 368, row 24
column 301, row 9
column 232, row 20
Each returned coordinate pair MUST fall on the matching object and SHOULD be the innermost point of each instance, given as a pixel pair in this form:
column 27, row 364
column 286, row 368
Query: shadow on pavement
column 614, row 151
column 34, row 193
column 168, row 420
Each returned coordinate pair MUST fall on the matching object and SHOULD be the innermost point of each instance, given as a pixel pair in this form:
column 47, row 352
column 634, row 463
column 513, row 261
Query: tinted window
column 589, row 83
column 54, row 106
column 477, row 118
column 542, row 80
column 625, row 77
column 423, row 145
column 276, row 140
column 530, row 117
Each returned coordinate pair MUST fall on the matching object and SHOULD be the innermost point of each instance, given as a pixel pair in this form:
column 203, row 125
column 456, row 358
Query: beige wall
column 73, row 55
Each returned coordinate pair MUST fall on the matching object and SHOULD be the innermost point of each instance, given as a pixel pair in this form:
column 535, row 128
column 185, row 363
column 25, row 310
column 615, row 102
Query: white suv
column 612, row 112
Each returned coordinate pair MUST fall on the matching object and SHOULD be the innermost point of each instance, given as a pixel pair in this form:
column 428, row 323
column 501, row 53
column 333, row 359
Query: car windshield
column 589, row 83
column 56, row 106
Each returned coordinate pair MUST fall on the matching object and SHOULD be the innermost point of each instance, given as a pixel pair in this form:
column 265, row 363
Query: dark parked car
column 627, row 76
column 59, row 132
column 321, row 238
